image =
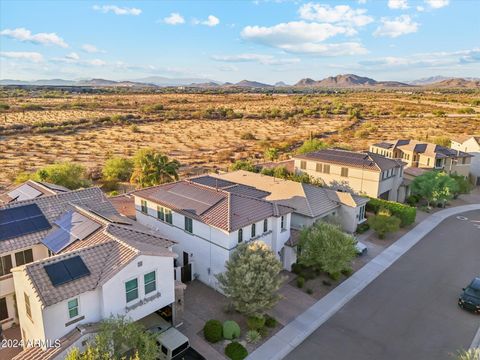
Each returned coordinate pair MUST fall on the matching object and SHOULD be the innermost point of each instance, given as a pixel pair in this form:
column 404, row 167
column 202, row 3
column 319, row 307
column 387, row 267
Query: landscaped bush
column 255, row 322
column 363, row 227
column 347, row 272
column 300, row 282
column 270, row 321
column 253, row 336
column 236, row 351
column 213, row 331
column 231, row 330
column 413, row 200
column 384, row 223
column 405, row 213
column 334, row 276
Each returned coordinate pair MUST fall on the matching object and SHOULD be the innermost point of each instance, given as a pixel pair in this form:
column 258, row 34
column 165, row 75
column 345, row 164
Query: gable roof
column 306, row 199
column 31, row 189
column 364, row 160
column 462, row 138
column 229, row 208
column 422, row 147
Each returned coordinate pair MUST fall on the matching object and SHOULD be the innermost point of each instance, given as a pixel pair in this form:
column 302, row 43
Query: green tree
column 464, row 186
column 311, row 145
column 246, row 165
column 153, row 168
column 384, row 223
column 252, row 278
column 117, row 169
column 66, row 174
column 435, row 187
column 271, row 154
column 115, row 337
column 326, row 247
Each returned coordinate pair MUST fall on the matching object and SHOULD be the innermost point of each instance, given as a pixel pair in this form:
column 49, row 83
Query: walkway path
column 279, row 345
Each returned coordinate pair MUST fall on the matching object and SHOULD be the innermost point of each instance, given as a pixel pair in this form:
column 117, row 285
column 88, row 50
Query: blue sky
column 263, row 40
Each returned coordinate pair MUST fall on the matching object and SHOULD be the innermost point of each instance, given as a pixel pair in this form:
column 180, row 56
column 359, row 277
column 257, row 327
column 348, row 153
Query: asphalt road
column 410, row 311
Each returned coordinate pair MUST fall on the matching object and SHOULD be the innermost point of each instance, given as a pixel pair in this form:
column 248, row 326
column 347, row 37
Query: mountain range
column 339, row 81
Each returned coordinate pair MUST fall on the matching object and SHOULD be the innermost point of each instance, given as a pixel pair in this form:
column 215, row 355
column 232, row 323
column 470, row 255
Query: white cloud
column 260, row 58
column 437, row 4
column 362, row 2
column 398, row 26
column 96, row 62
column 72, row 56
column 117, row 10
column 211, row 21
column 23, row 55
column 420, row 8
column 340, row 14
column 398, row 4
column 91, row 49
column 23, row 34
column 174, row 19
column 334, row 49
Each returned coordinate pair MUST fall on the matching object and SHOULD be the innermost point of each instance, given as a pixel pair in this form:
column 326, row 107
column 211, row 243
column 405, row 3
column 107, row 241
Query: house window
column 265, row 225
column 326, row 168
column 27, row 306
column 438, row 163
column 361, row 213
column 160, row 213
column 168, row 216
column 318, row 167
column 253, row 230
column 240, row 235
column 131, row 290
column 3, row 309
column 144, row 206
column 73, row 308
column 464, row 160
column 344, row 172
column 303, row 164
column 282, row 223
column 188, row 224
column 150, row 282
column 23, row 257
column 5, row 264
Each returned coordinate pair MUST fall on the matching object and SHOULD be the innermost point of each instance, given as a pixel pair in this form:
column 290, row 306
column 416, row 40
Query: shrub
column 213, row 331
column 253, row 336
column 248, row 136
column 246, row 165
column 405, row 213
column 347, row 272
column 300, row 282
column 270, row 321
column 297, row 268
column 236, row 351
column 255, row 322
column 334, row 276
column 363, row 227
column 311, row 145
column 383, row 224
column 309, row 291
column 117, row 169
column 467, row 110
column 464, row 186
column 412, row 200
column 231, row 330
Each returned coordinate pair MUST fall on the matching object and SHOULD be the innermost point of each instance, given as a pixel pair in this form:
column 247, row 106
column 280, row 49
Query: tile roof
column 366, row 160
column 35, row 189
column 226, row 209
column 52, row 207
column 422, row 147
column 124, row 204
column 462, row 138
column 110, row 250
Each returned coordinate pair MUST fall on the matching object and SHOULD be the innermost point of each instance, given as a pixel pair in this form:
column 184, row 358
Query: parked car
column 470, row 297
column 361, row 248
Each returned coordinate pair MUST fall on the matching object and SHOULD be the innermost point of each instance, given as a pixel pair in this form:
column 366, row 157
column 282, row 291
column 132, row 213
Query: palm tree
column 470, row 354
column 153, row 168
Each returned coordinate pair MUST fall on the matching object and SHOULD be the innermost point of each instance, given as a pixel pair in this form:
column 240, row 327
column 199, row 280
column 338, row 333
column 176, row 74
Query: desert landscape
column 210, row 131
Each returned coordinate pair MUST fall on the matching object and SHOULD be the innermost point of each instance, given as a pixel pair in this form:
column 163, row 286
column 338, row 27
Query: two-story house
column 471, row 145
column 362, row 173
column 124, row 271
column 208, row 220
column 423, row 155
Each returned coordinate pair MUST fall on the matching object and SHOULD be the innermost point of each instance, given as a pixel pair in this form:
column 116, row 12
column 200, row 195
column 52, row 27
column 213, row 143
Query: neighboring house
column 310, row 203
column 363, row 173
column 470, row 144
column 423, row 155
column 125, row 271
column 31, row 190
column 208, row 218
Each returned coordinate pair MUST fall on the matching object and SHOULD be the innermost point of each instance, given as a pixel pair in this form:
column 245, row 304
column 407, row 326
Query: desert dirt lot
column 208, row 131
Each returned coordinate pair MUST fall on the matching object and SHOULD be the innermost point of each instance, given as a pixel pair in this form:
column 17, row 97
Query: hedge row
column 405, row 213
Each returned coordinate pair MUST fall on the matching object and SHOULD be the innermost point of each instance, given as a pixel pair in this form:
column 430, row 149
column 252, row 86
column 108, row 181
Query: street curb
column 295, row 332
column 476, row 340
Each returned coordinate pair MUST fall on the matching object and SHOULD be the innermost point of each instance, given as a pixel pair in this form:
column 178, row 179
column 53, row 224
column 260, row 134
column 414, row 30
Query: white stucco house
column 207, row 218
column 471, row 145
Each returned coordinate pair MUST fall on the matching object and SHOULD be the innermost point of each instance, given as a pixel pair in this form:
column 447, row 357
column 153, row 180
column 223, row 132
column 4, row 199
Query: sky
column 263, row 40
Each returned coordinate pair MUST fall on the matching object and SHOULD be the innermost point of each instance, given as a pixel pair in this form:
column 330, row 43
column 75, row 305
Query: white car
column 361, row 248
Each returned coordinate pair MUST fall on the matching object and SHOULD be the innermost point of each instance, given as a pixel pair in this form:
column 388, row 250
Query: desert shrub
column 442, row 141
column 109, row 185
column 467, row 110
column 405, row 213
column 4, row 106
column 300, row 282
column 231, row 330
column 311, row 145
column 118, row 169
column 383, row 224
column 270, row 321
column 253, row 336
column 255, row 322
column 243, row 165
column 363, row 227
column 31, row 107
column 213, row 331
column 247, row 136
column 236, row 351
column 362, row 133
column 439, row 113
column 271, row 154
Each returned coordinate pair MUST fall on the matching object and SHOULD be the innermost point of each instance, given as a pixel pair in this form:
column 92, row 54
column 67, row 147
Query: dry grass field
column 206, row 131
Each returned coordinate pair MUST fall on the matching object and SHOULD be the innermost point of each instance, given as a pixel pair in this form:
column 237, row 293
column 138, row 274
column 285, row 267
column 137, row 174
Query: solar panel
column 58, row 240
column 21, row 220
column 24, row 192
column 76, row 224
column 66, row 270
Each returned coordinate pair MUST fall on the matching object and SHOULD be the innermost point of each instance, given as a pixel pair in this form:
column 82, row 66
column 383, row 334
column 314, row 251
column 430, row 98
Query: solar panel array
column 24, row 192
column 21, row 220
column 72, row 226
column 66, row 270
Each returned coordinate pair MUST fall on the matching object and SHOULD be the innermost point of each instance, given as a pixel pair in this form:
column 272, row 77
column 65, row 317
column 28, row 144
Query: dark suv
column 470, row 298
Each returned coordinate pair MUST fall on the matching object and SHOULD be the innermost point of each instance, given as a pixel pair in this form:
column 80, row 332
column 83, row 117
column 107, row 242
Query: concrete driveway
column 410, row 311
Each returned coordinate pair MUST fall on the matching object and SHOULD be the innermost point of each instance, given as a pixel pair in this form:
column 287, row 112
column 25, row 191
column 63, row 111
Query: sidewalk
column 292, row 335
